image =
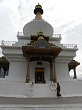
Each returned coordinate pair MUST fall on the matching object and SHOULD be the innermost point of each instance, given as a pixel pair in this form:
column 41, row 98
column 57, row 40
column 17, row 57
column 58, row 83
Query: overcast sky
column 64, row 15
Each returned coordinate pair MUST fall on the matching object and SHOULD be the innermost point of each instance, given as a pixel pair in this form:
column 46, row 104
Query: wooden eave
column 4, row 62
column 73, row 64
column 31, row 49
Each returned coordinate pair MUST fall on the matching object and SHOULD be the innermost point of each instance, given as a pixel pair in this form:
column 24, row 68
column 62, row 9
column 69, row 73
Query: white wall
column 10, row 88
column 71, row 88
column 21, row 42
column 62, row 73
column 44, row 65
column 17, row 70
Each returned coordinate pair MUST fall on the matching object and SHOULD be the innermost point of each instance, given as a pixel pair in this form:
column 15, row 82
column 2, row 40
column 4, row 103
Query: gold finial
column 38, row 6
column 38, row 11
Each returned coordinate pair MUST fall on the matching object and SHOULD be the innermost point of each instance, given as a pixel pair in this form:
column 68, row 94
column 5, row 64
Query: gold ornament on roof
column 40, row 32
column 40, row 35
column 38, row 6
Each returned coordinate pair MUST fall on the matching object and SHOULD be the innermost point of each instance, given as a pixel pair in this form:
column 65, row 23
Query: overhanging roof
column 31, row 50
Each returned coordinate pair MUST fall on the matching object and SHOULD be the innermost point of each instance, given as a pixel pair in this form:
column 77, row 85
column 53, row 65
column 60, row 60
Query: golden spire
column 38, row 16
column 38, row 11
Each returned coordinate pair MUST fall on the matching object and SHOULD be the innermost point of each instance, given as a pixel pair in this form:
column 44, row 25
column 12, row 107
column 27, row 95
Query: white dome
column 35, row 26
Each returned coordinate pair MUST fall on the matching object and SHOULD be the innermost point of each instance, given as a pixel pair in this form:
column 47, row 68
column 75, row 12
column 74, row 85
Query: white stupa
column 39, row 57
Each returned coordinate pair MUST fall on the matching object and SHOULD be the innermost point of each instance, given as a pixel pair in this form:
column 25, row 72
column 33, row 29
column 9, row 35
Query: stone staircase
column 42, row 90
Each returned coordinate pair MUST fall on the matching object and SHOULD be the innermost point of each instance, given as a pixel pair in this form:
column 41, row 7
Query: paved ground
column 39, row 101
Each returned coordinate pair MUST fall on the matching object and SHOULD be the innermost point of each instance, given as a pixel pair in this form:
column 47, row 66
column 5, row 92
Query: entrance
column 39, row 75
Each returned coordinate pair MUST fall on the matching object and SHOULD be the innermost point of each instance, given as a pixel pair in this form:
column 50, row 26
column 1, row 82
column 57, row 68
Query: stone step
column 41, row 90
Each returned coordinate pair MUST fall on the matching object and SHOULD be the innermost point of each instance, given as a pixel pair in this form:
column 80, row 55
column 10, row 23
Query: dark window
column 39, row 63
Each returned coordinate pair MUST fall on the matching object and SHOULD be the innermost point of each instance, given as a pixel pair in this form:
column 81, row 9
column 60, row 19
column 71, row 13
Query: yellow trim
column 39, row 70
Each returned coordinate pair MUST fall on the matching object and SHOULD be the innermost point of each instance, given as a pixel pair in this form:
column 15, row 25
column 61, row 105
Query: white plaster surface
column 62, row 73
column 35, row 26
column 44, row 65
column 22, row 89
column 17, row 71
column 71, row 88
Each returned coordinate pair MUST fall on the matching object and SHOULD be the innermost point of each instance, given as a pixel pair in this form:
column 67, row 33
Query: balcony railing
column 71, row 46
column 7, row 43
column 57, row 35
column 10, row 43
column 54, row 35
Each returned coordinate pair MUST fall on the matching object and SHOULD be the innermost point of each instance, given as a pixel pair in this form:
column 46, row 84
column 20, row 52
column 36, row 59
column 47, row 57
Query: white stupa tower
column 39, row 57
